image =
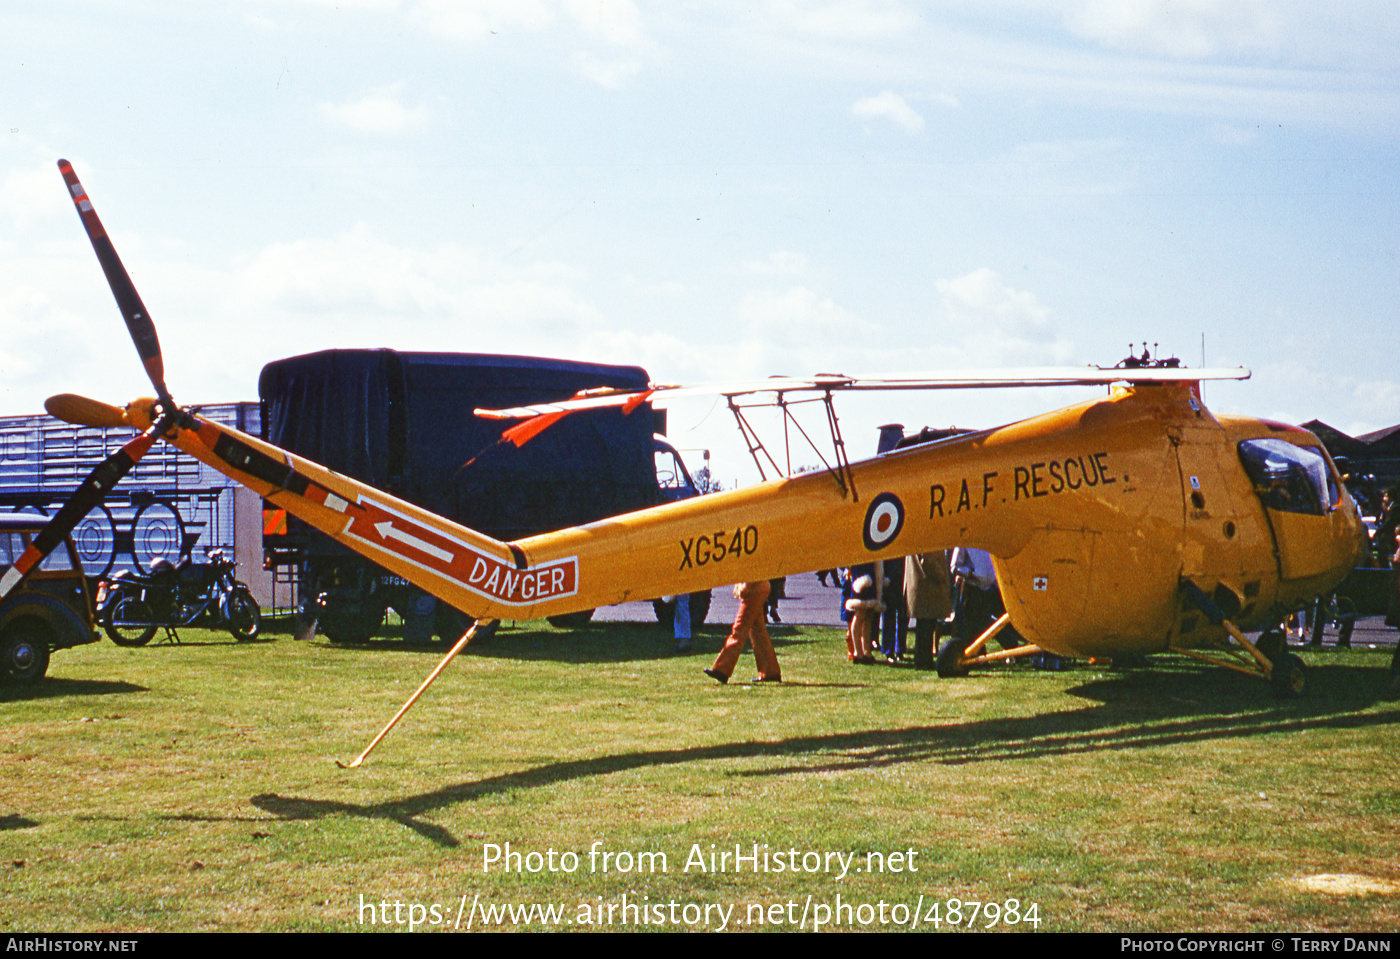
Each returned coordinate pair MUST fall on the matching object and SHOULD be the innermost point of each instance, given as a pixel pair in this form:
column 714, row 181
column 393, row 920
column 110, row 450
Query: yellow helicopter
column 1134, row 523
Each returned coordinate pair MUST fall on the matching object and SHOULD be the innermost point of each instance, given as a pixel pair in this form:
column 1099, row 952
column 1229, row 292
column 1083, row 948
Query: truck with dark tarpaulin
column 404, row 423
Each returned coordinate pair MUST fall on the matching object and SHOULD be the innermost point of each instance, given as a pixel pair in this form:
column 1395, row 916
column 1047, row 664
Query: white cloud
column 475, row 19
column 614, row 22
column 844, row 19
column 29, row 194
column 380, row 113
column 1380, row 395
column 798, row 311
column 1064, row 168
column 1295, row 387
column 610, row 36
column 890, row 106
column 220, row 323
column 799, row 331
column 380, row 5
column 27, row 319
column 610, row 72
column 617, row 25
column 1185, row 29
column 997, row 324
column 778, row 263
column 1375, row 403
column 1066, row 151
column 1234, row 135
column 981, row 296
column 357, row 280
column 653, row 350
column 59, row 329
column 30, row 188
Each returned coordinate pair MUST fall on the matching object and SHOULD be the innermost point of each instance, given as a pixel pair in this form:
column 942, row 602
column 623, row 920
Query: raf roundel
column 883, row 521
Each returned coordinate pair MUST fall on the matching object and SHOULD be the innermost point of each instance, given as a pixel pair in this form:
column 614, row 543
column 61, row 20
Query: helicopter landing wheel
column 949, row 662
column 1272, row 643
column 1290, row 676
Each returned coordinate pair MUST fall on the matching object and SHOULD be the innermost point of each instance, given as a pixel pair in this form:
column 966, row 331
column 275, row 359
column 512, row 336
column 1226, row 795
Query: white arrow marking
column 387, row 531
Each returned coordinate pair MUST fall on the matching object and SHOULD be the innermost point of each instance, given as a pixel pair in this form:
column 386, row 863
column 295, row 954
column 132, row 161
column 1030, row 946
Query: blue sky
column 713, row 191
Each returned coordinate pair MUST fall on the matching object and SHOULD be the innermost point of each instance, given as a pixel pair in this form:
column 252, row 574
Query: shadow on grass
column 1169, row 684
column 617, row 642
column 224, row 639
column 1138, row 710
column 51, row 688
column 593, row 644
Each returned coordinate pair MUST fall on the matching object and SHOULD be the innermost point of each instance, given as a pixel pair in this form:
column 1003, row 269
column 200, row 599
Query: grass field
column 194, row 788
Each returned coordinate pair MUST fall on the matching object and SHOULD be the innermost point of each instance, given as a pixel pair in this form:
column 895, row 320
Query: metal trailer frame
column 170, row 504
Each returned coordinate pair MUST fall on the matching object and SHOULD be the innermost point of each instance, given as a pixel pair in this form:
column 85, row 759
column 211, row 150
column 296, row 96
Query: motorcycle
column 131, row 607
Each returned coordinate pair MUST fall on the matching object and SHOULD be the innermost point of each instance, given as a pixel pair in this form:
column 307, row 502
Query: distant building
column 1373, row 459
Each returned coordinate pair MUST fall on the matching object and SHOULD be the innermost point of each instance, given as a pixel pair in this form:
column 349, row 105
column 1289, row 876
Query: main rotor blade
column 81, row 411
column 832, row 383
column 138, row 321
column 93, row 491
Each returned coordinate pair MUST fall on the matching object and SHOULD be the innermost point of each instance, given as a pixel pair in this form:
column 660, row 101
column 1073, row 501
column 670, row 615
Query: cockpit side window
column 1293, row 479
column 1334, row 485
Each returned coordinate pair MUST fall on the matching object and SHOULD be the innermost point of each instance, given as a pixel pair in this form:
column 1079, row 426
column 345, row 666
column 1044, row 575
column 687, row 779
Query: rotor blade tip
column 81, row 411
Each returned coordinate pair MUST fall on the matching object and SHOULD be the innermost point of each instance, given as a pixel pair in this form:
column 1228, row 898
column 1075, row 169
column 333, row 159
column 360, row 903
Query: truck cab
column 673, row 480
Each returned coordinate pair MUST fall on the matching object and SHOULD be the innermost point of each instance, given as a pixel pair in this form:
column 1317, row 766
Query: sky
column 713, row 191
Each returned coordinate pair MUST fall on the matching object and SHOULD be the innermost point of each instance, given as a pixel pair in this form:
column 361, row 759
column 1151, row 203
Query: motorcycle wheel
column 244, row 616
column 130, row 622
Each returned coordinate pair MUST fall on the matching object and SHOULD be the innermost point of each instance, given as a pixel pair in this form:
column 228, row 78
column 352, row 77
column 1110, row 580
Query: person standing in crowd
column 777, row 589
column 682, row 623
column 979, row 602
column 1388, row 523
column 864, row 608
column 928, row 595
column 844, row 579
column 894, row 621
column 1388, row 549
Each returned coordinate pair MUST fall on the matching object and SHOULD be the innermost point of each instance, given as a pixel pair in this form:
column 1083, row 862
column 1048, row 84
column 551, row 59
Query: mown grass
column 194, row 787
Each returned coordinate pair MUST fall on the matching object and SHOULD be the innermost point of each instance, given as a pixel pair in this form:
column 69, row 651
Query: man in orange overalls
column 749, row 626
